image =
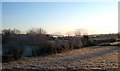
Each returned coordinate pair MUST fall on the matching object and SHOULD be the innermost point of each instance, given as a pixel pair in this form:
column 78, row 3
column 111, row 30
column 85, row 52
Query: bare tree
column 34, row 31
column 40, row 31
column 77, row 33
column 9, row 31
column 69, row 33
column 16, row 31
column 6, row 31
column 31, row 31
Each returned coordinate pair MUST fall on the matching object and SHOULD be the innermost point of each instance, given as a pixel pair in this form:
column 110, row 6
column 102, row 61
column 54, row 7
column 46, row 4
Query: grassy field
column 97, row 57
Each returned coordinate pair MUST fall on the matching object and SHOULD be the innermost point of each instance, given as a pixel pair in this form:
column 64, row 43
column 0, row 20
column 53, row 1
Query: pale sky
column 94, row 17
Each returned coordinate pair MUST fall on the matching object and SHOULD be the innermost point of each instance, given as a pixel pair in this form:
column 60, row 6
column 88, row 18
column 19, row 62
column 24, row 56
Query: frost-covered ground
column 98, row 57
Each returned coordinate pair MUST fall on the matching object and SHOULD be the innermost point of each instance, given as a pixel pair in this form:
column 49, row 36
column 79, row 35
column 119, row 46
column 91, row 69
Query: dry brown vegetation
column 103, row 57
column 52, row 53
column 44, row 44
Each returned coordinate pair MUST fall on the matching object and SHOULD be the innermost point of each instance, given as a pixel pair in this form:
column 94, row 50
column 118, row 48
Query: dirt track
column 103, row 57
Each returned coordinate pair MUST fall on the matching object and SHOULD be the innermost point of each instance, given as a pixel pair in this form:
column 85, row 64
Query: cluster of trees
column 11, row 50
column 44, row 44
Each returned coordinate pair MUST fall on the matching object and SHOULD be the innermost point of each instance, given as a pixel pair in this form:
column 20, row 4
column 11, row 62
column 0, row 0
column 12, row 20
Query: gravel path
column 103, row 57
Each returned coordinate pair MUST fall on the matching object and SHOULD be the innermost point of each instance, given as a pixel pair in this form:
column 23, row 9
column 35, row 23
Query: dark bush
column 44, row 49
column 104, row 41
column 11, row 53
column 87, row 41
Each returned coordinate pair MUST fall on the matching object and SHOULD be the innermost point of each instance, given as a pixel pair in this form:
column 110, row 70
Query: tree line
column 43, row 44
